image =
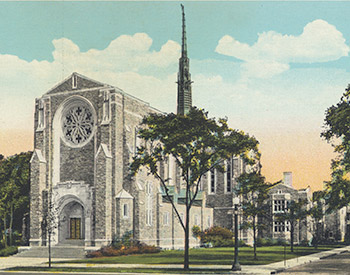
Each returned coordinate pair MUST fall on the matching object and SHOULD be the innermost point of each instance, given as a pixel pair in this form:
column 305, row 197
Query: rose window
column 77, row 125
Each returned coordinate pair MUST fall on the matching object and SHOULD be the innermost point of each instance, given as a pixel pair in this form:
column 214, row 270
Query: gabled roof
column 103, row 148
column 82, row 82
column 37, row 153
column 123, row 195
column 280, row 185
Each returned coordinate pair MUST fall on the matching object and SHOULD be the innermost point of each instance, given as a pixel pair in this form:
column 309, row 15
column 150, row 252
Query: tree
column 254, row 192
column 197, row 144
column 296, row 211
column 14, row 193
column 49, row 222
column 337, row 132
column 317, row 213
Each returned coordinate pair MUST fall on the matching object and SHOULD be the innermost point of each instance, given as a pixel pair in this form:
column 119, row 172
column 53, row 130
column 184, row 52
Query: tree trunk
column 5, row 233
column 187, row 225
column 186, row 256
column 49, row 233
column 11, row 224
column 292, row 236
column 254, row 238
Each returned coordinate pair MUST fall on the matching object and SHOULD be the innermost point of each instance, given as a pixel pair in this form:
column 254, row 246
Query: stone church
column 85, row 135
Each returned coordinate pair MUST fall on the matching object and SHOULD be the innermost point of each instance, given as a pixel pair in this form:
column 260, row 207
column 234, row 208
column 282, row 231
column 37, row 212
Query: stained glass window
column 77, row 124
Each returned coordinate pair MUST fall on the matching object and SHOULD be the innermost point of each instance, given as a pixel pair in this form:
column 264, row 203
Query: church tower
column 184, row 89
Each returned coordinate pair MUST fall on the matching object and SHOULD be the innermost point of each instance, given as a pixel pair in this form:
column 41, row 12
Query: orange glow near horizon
column 306, row 155
column 15, row 141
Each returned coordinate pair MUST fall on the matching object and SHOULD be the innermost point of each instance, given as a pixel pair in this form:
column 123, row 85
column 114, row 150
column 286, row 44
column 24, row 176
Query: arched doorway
column 71, row 226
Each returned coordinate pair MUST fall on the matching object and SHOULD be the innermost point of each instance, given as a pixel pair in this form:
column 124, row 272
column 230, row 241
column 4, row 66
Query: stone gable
column 75, row 82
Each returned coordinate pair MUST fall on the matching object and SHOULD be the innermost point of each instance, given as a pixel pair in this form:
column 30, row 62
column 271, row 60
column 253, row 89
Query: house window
column 166, row 218
column 212, row 181
column 137, row 139
column 279, row 227
column 209, row 221
column 200, row 185
column 279, row 205
column 235, row 167
column 196, row 220
column 287, row 223
column 149, row 205
column 106, row 107
column 228, row 177
column 74, row 82
column 125, row 211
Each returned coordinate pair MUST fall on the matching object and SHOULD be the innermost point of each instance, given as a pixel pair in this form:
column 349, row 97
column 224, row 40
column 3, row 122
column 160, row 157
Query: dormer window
column 74, row 82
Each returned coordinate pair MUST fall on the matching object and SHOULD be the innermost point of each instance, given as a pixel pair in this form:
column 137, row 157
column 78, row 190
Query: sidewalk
column 246, row 269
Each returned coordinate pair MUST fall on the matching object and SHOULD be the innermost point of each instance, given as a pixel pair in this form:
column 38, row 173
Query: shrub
column 304, row 243
column 270, row 242
column 8, row 251
column 196, row 231
column 111, row 251
column 215, row 236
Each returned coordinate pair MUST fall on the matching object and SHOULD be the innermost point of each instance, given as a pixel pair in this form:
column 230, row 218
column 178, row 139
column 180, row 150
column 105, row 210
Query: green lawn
column 212, row 256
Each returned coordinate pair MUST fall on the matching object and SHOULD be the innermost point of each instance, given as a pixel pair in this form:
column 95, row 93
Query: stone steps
column 56, row 252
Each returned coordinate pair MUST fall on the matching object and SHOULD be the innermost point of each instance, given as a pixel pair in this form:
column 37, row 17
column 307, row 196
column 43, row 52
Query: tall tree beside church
column 197, row 144
column 14, row 192
column 254, row 192
column 337, row 132
column 317, row 213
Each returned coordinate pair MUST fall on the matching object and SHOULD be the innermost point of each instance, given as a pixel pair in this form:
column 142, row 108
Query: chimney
column 287, row 178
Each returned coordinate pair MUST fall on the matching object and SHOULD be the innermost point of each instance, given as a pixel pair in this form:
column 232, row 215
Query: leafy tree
column 295, row 212
column 49, row 222
column 337, row 132
column 317, row 213
column 14, row 193
column 254, row 192
column 197, row 144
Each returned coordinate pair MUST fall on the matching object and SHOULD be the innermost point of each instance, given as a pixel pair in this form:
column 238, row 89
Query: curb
column 310, row 258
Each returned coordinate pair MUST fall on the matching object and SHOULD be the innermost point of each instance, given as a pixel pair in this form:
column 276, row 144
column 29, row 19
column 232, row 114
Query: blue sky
column 271, row 67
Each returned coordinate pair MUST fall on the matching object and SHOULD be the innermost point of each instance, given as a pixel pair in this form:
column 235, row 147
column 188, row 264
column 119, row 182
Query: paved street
column 339, row 264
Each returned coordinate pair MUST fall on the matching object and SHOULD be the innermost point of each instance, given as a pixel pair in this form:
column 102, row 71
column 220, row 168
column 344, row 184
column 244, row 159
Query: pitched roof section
column 37, row 154
column 123, row 195
column 76, row 82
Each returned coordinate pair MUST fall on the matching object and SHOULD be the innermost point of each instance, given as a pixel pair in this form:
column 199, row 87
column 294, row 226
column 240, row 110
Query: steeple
column 184, row 89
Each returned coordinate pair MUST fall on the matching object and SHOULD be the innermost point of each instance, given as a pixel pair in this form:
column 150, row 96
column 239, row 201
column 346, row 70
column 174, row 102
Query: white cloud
column 319, row 42
column 119, row 64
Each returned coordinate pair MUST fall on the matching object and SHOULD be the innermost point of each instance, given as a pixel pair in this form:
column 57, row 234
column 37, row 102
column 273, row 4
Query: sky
column 272, row 68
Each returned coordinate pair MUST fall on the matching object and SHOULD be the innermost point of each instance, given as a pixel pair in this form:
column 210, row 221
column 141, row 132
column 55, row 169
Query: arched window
column 149, row 206
column 228, row 177
column 125, row 210
column 106, row 107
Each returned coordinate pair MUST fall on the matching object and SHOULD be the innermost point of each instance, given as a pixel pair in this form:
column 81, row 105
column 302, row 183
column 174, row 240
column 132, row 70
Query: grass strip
column 122, row 270
column 212, row 256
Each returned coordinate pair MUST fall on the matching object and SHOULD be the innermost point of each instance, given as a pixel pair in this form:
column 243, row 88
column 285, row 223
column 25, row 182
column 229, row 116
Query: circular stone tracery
column 77, row 125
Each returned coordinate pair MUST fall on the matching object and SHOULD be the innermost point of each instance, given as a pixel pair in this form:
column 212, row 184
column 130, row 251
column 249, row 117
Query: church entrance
column 71, row 228
column 75, row 228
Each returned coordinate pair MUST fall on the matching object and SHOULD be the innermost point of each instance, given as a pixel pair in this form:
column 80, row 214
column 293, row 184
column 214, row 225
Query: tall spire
column 184, row 38
column 184, row 89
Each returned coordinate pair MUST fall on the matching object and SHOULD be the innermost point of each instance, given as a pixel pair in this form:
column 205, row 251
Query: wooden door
column 75, row 224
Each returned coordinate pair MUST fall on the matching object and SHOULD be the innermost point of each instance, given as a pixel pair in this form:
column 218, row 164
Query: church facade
column 85, row 138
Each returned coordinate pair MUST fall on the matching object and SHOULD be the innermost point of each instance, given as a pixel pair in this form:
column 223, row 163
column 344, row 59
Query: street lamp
column 236, row 266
